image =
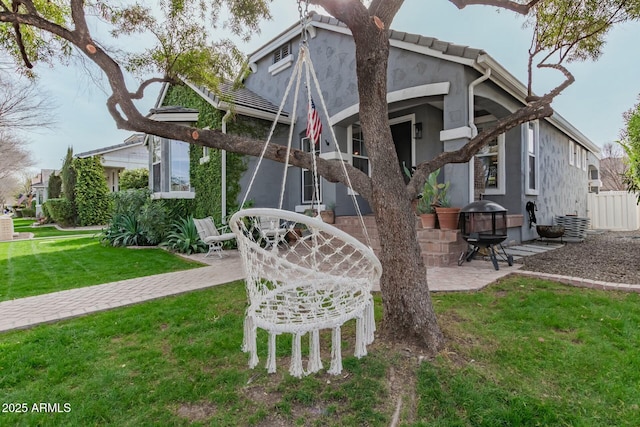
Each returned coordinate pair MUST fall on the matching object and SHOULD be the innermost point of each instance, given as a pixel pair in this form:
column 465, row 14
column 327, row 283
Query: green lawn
column 23, row 225
column 522, row 352
column 38, row 266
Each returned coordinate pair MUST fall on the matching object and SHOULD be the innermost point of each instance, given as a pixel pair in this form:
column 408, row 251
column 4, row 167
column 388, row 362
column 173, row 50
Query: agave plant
column 124, row 230
column 184, row 237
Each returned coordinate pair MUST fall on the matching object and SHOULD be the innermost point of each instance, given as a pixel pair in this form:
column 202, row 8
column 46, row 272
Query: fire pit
column 550, row 231
column 484, row 226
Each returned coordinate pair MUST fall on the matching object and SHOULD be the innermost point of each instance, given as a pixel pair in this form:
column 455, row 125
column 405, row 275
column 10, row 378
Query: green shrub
column 151, row 220
column 60, row 211
column 129, row 201
column 55, row 186
column 178, row 208
column 68, row 176
column 184, row 238
column 28, row 213
column 154, row 221
column 124, row 230
column 131, row 179
column 91, row 191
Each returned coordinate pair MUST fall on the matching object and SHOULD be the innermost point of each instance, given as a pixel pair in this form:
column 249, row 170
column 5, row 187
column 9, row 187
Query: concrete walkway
column 26, row 312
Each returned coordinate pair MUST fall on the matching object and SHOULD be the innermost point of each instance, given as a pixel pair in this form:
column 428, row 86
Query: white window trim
column 536, row 152
column 409, row 118
column 173, row 195
column 350, row 148
column 578, row 156
column 349, row 157
column 502, row 185
column 584, row 160
column 572, row 153
column 305, row 201
column 281, row 65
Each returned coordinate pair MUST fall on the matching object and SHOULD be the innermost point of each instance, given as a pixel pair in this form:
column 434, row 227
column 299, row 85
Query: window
column 282, row 59
column 358, row 150
column 578, row 156
column 489, row 167
column 532, row 176
column 156, row 161
column 179, row 155
column 281, row 53
column 572, row 153
column 308, row 185
column 584, row 160
column 170, row 169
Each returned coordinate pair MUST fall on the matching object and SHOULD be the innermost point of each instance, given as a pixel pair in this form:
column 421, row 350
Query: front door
column 401, row 133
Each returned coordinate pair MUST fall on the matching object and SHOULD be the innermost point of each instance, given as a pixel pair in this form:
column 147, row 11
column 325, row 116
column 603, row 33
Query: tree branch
column 536, row 110
column 143, row 86
column 16, row 28
column 513, row 6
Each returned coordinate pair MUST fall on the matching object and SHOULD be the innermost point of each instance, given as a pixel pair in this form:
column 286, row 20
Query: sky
column 593, row 104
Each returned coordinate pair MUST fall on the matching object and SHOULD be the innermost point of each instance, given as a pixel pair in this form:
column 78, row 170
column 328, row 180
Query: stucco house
column 130, row 154
column 440, row 94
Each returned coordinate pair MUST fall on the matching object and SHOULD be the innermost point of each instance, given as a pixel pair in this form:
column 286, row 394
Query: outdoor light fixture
column 418, row 130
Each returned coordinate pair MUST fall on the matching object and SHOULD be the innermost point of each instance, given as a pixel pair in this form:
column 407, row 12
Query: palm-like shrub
column 184, row 238
column 124, row 230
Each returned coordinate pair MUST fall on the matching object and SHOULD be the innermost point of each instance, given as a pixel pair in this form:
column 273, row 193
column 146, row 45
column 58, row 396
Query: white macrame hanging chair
column 301, row 282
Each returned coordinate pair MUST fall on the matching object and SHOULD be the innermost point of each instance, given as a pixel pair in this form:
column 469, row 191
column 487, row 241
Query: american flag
column 314, row 124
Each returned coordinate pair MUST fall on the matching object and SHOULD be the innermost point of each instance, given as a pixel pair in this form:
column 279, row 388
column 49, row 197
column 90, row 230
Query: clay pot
column 428, row 220
column 448, row 218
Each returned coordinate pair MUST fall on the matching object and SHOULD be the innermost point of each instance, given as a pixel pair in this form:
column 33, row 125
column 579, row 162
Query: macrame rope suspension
column 325, row 110
column 271, row 132
column 299, row 64
column 318, row 280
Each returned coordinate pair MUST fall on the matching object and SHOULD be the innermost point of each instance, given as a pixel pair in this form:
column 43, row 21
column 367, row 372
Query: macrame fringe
column 296, row 357
column 336, row 352
column 315, row 362
column 361, row 345
column 365, row 327
column 249, row 341
column 271, row 359
column 370, row 322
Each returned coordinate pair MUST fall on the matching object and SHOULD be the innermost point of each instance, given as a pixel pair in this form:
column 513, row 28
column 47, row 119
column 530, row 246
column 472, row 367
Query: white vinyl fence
column 613, row 210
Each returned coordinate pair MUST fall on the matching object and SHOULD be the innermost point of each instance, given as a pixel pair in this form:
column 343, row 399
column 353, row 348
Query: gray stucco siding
column 563, row 187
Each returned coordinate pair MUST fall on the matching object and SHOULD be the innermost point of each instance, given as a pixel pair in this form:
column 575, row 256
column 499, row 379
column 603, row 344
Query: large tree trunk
column 408, row 310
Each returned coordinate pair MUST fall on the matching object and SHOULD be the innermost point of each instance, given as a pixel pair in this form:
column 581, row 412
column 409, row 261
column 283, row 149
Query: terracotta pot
column 294, row 235
column 328, row 217
column 448, row 218
column 428, row 220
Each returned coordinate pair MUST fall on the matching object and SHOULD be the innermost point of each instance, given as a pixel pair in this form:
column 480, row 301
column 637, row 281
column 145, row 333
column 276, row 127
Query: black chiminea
column 484, row 225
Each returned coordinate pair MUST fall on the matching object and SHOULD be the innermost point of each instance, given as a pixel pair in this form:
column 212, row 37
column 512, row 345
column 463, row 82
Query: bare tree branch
column 23, row 106
column 14, row 157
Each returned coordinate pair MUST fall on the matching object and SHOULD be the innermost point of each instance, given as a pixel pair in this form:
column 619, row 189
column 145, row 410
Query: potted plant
column 431, row 196
column 328, row 215
column 448, row 217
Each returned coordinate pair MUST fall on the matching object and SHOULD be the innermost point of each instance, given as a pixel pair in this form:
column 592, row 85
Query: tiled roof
column 130, row 141
column 446, row 48
column 241, row 97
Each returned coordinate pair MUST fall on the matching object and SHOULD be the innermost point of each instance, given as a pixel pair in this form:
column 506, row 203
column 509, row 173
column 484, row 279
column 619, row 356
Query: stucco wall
column 563, row 187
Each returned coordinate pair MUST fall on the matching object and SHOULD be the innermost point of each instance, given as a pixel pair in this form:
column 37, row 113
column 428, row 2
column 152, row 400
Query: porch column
column 455, row 134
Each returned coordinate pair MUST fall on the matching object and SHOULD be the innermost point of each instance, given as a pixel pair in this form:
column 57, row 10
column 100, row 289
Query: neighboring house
column 40, row 187
column 131, row 154
column 440, row 94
